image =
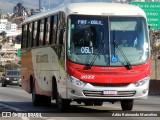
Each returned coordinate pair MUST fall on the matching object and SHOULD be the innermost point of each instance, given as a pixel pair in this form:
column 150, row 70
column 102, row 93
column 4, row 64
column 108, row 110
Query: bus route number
column 87, row 50
column 96, row 22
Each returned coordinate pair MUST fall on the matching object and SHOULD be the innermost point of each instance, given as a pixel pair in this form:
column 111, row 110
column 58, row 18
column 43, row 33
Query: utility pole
column 39, row 5
column 1, row 13
column 49, row 5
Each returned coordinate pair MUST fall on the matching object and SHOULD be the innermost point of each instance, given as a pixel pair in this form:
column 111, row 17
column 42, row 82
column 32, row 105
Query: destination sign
column 89, row 22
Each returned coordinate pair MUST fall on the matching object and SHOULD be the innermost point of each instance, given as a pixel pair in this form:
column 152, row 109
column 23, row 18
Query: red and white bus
column 76, row 53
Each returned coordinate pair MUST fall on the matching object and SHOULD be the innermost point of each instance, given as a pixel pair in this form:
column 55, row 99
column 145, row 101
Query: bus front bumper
column 91, row 91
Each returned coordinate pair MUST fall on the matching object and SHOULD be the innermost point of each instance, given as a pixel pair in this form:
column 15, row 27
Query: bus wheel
column 63, row 104
column 127, row 104
column 36, row 99
column 46, row 100
column 4, row 85
column 89, row 103
column 54, row 89
column 98, row 103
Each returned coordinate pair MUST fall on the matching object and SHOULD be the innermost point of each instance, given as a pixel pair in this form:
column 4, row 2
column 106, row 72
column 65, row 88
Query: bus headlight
column 142, row 81
column 7, row 78
column 77, row 82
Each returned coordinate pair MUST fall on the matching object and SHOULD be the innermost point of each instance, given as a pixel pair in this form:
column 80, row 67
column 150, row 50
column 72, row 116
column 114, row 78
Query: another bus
column 73, row 53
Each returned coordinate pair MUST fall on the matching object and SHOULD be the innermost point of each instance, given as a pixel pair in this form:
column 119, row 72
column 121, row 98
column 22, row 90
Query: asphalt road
column 14, row 99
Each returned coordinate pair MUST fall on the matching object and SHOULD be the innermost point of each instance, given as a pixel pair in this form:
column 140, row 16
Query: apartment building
column 9, row 28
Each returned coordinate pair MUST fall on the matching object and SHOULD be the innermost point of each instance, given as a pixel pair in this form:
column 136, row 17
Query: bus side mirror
column 149, row 27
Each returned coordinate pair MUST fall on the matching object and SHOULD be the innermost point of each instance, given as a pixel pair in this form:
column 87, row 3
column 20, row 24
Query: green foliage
column 10, row 19
column 155, row 44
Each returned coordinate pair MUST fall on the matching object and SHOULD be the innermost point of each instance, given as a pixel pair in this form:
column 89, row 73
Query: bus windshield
column 91, row 39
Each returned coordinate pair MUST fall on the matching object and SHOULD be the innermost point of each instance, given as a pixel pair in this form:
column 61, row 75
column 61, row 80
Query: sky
column 7, row 5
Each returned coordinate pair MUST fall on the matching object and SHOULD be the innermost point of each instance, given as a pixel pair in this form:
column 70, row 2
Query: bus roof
column 104, row 8
column 93, row 8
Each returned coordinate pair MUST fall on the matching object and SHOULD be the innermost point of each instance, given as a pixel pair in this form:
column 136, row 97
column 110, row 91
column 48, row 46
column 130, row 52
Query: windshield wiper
column 129, row 66
column 89, row 65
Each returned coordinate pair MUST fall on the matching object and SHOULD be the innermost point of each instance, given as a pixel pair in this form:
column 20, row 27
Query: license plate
column 14, row 81
column 110, row 92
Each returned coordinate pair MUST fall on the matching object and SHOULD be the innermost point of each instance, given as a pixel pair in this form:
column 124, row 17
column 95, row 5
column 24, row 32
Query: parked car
column 11, row 77
column 19, row 83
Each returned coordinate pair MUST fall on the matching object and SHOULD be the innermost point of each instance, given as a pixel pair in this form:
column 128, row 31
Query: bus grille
column 100, row 94
column 109, row 85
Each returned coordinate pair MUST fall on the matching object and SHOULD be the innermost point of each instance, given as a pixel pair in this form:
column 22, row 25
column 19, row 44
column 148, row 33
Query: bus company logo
column 108, row 68
column 42, row 58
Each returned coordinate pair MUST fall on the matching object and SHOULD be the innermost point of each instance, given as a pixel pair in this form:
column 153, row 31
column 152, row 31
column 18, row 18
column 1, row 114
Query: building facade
column 9, row 28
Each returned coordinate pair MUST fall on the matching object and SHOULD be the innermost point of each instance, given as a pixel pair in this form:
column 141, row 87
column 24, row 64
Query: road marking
column 14, row 108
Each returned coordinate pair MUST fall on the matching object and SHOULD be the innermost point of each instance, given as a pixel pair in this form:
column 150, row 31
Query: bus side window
column 27, row 35
column 38, row 33
column 24, row 41
column 30, row 35
column 35, row 34
column 53, row 29
column 44, row 32
column 47, row 31
column 32, row 42
column 61, row 27
column 41, row 32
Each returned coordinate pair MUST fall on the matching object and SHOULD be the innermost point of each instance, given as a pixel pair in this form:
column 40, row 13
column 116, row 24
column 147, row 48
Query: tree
column 155, row 44
column 3, row 34
column 19, row 11
column 18, row 38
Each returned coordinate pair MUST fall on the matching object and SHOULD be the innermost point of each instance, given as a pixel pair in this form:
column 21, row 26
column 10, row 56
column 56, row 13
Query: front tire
column 127, row 104
column 46, row 100
column 54, row 89
column 63, row 104
column 4, row 84
column 35, row 98
column 98, row 103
